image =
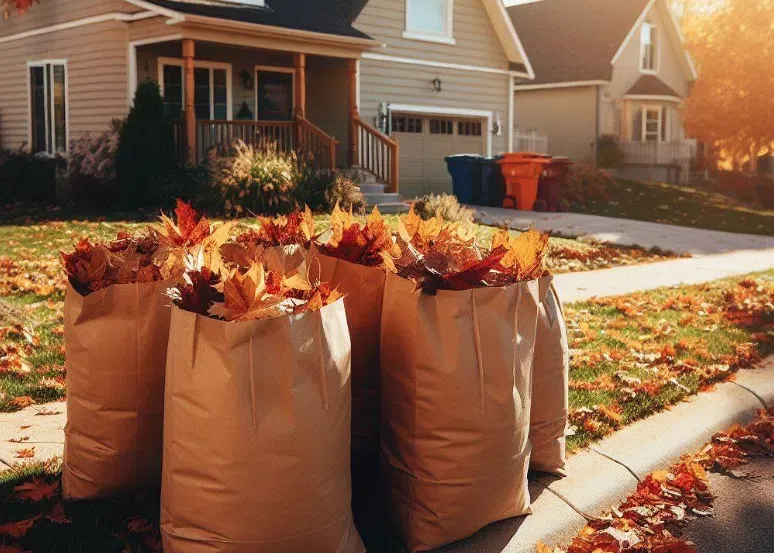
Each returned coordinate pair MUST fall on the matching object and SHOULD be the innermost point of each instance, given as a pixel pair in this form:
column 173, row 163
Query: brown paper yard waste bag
column 550, row 382
column 280, row 259
column 116, row 346
column 364, row 288
column 456, row 379
column 257, row 435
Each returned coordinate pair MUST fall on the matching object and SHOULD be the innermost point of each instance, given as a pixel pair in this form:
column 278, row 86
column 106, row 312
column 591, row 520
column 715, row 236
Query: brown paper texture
column 257, row 435
column 364, row 288
column 550, row 387
column 455, row 408
column 116, row 346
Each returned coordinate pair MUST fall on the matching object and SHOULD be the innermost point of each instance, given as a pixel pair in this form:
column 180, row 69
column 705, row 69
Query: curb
column 609, row 470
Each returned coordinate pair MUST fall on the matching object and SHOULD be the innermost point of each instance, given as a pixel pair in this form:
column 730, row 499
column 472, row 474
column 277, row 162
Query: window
column 274, row 90
column 212, row 89
column 649, row 48
column 430, row 20
column 441, row 126
column 403, row 123
column 652, row 124
column 469, row 128
column 48, row 106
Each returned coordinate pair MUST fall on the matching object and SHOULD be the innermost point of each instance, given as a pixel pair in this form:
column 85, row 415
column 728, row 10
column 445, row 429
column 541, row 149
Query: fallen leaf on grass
column 12, row 549
column 37, row 489
column 57, row 515
column 19, row 528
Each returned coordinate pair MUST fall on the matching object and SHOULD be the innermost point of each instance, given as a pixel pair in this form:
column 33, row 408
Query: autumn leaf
column 37, row 490
column 22, row 402
column 25, row 453
column 12, row 549
column 284, row 230
column 370, row 244
column 19, row 528
column 57, row 515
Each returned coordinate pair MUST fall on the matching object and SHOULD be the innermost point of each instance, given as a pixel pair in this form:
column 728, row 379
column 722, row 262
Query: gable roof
column 574, row 40
column 650, row 85
column 331, row 17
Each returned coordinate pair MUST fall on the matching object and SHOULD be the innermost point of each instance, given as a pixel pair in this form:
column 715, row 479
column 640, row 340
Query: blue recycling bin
column 492, row 183
column 466, row 170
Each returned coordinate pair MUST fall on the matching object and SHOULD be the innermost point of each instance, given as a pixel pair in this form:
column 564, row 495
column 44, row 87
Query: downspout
column 511, row 111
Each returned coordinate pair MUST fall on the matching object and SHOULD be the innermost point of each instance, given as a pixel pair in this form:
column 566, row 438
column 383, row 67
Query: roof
column 650, row 85
column 574, row 40
column 332, row 17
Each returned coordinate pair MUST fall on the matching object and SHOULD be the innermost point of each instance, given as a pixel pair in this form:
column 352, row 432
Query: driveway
column 627, row 232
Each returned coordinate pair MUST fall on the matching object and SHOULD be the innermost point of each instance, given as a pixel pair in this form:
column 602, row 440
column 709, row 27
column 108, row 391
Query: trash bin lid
column 464, row 156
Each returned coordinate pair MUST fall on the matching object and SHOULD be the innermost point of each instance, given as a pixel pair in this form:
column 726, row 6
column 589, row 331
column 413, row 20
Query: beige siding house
column 389, row 86
column 607, row 72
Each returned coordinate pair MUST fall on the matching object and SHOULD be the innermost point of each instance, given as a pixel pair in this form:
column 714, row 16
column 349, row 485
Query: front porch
column 663, row 161
column 216, row 93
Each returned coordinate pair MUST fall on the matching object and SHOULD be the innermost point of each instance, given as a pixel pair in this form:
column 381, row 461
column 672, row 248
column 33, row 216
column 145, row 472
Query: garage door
column 424, row 143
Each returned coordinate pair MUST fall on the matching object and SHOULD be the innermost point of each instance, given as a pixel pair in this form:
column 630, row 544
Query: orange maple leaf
column 25, row 453
column 37, row 489
column 19, row 528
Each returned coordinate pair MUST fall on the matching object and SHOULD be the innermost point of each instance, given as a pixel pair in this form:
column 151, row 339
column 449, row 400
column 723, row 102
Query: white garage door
column 424, row 143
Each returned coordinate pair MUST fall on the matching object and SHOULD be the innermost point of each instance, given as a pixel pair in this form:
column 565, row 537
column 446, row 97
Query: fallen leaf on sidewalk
column 25, row 453
column 19, row 440
column 47, row 412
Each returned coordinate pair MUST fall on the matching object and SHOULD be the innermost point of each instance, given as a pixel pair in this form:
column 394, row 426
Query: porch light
column 437, row 84
column 247, row 79
column 497, row 125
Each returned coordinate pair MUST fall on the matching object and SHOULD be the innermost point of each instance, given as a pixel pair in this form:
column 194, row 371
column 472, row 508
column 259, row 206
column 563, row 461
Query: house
column 609, row 74
column 388, row 86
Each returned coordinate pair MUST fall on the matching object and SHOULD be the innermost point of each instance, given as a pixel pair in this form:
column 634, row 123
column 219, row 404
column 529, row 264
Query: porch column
column 189, row 115
column 299, row 62
column 354, row 114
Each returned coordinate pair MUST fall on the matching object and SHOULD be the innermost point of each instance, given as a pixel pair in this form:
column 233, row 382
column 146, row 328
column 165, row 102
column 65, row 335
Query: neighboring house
column 607, row 68
column 391, row 86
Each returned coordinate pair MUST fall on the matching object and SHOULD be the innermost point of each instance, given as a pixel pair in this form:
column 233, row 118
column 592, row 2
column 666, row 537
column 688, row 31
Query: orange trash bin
column 521, row 172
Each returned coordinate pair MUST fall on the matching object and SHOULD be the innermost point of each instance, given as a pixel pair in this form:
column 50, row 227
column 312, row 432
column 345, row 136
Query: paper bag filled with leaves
column 281, row 243
column 257, row 414
column 457, row 341
column 116, row 324
column 354, row 260
column 550, row 384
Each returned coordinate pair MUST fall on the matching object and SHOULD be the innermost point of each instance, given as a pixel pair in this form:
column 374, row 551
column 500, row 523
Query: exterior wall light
column 437, row 84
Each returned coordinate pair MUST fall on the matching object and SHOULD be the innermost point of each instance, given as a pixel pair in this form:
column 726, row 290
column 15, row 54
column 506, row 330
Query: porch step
column 389, row 207
column 362, row 176
column 384, row 198
column 366, row 188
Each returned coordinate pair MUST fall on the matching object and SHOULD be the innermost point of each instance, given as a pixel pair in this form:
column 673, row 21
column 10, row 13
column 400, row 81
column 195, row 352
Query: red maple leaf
column 57, row 515
column 19, row 528
column 37, row 490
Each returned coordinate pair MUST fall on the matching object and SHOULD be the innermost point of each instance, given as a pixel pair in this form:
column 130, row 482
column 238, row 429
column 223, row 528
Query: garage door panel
column 422, row 154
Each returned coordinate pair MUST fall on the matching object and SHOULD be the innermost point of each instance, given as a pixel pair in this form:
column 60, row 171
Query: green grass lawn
column 678, row 205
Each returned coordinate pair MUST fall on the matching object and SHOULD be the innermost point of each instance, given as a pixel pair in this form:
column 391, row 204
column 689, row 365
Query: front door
column 275, row 95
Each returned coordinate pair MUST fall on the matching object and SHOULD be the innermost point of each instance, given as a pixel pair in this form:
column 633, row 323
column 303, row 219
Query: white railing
column 657, row 153
column 530, row 141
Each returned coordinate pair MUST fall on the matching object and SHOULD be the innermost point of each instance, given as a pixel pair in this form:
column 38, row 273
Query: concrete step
column 383, row 198
column 389, row 207
column 362, row 176
column 372, row 188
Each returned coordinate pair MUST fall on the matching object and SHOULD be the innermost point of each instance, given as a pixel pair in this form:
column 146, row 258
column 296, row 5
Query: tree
column 146, row 147
column 732, row 105
column 20, row 6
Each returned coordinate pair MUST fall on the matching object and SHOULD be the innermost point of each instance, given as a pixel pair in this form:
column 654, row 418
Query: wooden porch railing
column 377, row 153
column 310, row 142
column 320, row 148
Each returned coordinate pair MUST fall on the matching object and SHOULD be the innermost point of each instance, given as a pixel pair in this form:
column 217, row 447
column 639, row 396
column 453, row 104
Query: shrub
column 321, row 190
column 190, row 183
column 256, row 179
column 586, row 182
column 445, row 206
column 89, row 176
column 346, row 192
column 28, row 177
column 146, row 147
column 609, row 153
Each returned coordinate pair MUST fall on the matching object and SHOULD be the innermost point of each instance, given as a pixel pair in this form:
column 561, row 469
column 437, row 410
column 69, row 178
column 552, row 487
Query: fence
column 530, row 141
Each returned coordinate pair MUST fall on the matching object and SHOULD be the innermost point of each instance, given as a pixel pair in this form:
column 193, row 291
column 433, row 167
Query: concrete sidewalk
column 627, row 232
column 636, row 278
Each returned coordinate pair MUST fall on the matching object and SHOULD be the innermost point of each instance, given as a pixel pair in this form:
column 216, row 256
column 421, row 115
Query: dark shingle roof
column 333, row 17
column 651, row 85
column 574, row 40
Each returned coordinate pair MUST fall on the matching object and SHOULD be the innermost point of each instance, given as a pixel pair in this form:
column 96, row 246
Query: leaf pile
column 651, row 519
column 254, row 294
column 128, row 259
column 190, row 231
column 293, row 230
column 444, row 256
column 370, row 244
column 285, row 230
